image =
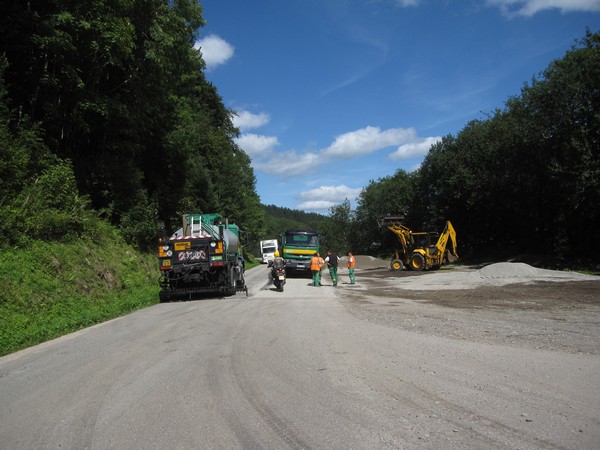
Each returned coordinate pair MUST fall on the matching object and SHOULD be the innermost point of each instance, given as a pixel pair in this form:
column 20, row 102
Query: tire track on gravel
column 278, row 425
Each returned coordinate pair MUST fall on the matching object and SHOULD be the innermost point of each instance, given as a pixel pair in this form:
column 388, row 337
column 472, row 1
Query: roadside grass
column 50, row 289
column 250, row 261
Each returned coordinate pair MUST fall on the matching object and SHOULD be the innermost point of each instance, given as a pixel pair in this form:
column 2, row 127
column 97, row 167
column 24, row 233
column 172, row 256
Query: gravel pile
column 464, row 277
column 498, row 274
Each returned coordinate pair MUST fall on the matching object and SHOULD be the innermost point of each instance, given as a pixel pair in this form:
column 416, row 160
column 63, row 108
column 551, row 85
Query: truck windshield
column 302, row 240
column 268, row 250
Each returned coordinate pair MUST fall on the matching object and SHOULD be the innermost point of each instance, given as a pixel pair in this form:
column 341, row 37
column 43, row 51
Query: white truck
column 268, row 248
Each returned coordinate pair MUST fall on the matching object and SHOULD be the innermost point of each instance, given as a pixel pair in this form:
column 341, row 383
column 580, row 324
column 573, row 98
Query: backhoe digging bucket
column 387, row 221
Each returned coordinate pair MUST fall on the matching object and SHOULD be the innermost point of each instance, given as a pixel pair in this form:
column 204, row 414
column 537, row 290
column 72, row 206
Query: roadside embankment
column 48, row 289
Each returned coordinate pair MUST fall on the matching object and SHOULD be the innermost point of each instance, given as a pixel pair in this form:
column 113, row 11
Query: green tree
column 526, row 178
column 559, row 115
column 119, row 90
column 337, row 230
column 391, row 195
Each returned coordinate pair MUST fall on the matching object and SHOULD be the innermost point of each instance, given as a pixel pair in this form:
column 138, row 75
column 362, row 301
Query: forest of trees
column 526, row 179
column 106, row 104
column 105, row 112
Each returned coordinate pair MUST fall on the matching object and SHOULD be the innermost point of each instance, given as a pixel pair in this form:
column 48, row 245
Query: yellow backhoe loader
column 420, row 250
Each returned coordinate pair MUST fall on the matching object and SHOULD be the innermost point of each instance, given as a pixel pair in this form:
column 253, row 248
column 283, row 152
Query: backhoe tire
column 396, row 264
column 417, row 262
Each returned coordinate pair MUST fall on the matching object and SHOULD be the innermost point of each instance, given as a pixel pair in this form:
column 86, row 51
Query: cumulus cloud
column 289, row 163
column 325, row 197
column 256, row 145
column 367, row 140
column 333, row 193
column 528, row 8
column 266, row 158
column 346, row 146
column 419, row 147
column 215, row 50
column 316, row 205
column 245, row 120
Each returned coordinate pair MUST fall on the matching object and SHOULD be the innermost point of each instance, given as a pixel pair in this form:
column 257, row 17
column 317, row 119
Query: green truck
column 297, row 248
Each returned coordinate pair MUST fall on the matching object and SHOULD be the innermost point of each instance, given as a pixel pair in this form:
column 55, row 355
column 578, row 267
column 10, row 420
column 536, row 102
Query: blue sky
column 331, row 94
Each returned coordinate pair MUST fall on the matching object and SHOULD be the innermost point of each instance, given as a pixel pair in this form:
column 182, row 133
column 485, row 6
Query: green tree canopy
column 118, row 88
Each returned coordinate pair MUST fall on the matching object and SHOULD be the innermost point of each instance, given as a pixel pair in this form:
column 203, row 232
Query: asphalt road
column 290, row 370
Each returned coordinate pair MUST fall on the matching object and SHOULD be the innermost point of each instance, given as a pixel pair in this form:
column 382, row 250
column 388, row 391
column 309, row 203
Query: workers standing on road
column 351, row 266
column 315, row 269
column 332, row 262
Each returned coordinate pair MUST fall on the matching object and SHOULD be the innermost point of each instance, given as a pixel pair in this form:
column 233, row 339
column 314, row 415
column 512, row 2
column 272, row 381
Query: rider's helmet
column 276, row 254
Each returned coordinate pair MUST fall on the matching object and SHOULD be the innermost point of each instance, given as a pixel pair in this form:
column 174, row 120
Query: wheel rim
column 396, row 264
column 417, row 262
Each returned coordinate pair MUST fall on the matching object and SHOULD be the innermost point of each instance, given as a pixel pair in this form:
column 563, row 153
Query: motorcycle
column 278, row 278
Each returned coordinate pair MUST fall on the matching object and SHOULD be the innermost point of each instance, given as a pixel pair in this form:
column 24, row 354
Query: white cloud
column 289, row 163
column 316, row 205
column 419, row 147
column 331, row 193
column 325, row 197
column 215, row 50
column 245, row 120
column 292, row 163
column 346, row 146
column 367, row 140
column 256, row 145
column 528, row 8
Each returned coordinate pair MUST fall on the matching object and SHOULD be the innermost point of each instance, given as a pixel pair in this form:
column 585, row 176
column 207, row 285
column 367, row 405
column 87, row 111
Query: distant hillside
column 278, row 219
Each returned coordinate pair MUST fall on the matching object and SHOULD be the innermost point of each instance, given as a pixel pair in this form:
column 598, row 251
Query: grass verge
column 51, row 289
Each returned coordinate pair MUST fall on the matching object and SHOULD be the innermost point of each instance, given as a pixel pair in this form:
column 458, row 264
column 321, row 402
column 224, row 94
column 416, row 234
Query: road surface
column 299, row 369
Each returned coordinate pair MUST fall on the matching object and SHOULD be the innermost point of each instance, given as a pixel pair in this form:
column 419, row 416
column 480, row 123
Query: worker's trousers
column 333, row 273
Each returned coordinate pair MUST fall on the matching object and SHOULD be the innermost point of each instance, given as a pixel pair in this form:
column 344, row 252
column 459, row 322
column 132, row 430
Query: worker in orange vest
column 315, row 268
column 351, row 266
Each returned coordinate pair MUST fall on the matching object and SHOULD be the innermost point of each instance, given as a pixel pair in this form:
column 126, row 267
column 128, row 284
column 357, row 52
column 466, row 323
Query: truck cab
column 298, row 247
column 268, row 248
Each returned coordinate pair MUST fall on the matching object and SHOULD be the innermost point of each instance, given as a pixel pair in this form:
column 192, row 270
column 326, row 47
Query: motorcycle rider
column 277, row 263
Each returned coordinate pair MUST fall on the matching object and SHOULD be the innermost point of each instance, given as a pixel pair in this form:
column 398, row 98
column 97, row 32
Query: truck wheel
column 396, row 264
column 417, row 262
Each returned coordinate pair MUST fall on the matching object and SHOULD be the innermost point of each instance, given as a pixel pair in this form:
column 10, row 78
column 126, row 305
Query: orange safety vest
column 314, row 263
column 321, row 263
column 351, row 262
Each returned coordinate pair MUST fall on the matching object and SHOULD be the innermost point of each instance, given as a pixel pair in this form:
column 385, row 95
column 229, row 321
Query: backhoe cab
column 420, row 250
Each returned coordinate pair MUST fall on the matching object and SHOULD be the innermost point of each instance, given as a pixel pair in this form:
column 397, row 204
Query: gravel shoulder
column 503, row 303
